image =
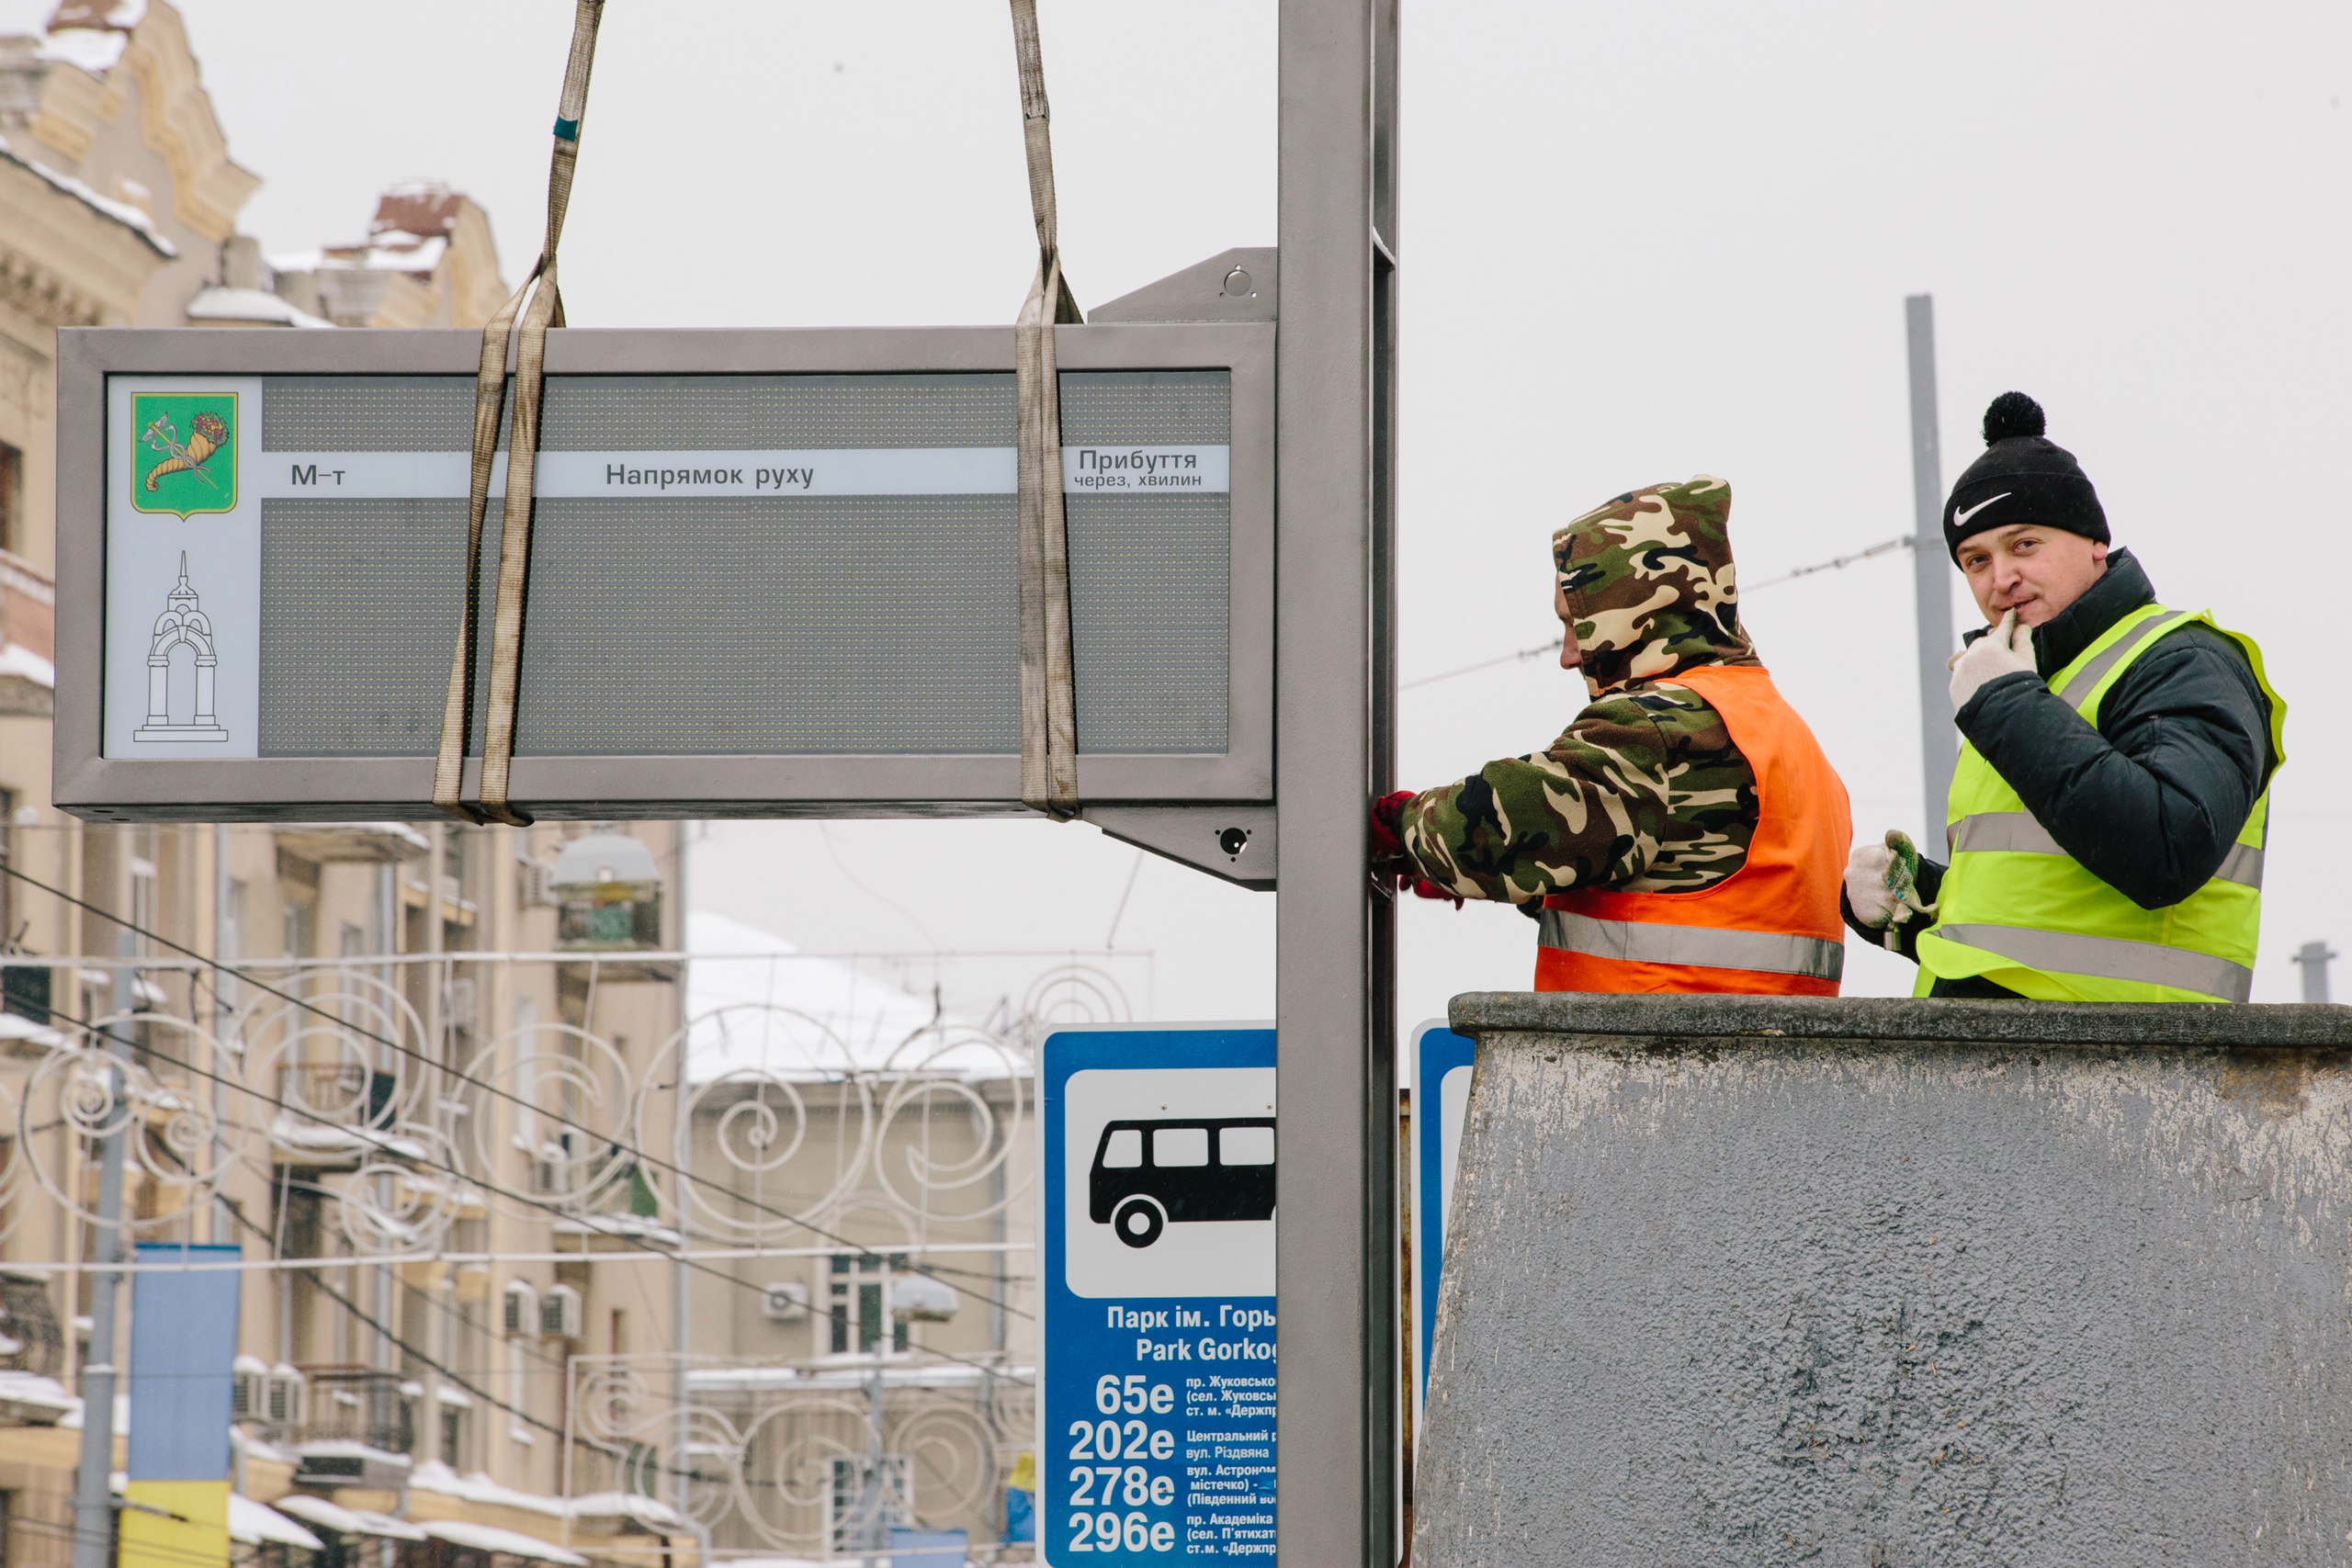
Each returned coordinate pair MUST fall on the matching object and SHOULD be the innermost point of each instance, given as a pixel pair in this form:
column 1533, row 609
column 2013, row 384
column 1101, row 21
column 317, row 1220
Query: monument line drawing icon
column 181, row 623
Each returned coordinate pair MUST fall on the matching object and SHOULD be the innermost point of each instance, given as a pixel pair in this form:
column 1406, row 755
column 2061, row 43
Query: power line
column 565, row 1123
column 1835, row 563
column 680, row 1258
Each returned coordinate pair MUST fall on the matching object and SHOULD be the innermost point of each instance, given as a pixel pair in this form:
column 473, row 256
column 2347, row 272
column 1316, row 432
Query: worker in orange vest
column 1685, row 833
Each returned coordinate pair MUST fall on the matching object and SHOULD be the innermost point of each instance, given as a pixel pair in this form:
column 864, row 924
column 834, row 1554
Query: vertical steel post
column 1333, row 691
column 219, row 1227
column 93, row 1493
column 1939, row 741
column 2314, row 957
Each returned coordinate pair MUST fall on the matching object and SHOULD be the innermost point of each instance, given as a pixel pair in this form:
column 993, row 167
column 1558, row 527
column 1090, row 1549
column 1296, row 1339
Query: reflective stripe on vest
column 2016, row 832
column 2018, row 910
column 1704, row 947
column 2140, row 962
column 2074, row 693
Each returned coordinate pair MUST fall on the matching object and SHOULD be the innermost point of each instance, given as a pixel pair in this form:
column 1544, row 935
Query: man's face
column 2036, row 571
column 1571, row 656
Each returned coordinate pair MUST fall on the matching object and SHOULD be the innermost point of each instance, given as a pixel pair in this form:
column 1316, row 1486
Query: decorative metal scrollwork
column 182, row 1133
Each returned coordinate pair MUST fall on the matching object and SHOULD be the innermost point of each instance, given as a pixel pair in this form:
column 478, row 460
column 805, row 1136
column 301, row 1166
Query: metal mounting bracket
column 1235, row 843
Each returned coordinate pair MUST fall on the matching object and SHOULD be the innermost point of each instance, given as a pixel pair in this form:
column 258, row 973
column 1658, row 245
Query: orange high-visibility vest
column 1771, row 927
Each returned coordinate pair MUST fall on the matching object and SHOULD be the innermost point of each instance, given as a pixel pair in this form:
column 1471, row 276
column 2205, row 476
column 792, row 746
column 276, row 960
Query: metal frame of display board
column 360, row 788
column 1330, row 609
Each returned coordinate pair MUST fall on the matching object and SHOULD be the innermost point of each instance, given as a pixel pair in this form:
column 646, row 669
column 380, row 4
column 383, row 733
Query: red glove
column 1388, row 828
column 1388, row 856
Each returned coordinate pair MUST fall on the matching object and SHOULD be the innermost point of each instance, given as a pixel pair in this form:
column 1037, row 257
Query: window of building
column 457, row 1427
column 860, row 1303
column 15, row 527
column 232, row 920
column 8, row 835
column 522, row 1321
column 301, row 922
column 146, row 850
column 866, row 1498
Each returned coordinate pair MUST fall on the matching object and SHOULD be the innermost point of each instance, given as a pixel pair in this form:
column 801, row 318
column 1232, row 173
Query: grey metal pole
column 93, row 1497
column 218, row 1227
column 681, row 1150
column 2314, row 956
column 1334, row 994
column 1939, row 741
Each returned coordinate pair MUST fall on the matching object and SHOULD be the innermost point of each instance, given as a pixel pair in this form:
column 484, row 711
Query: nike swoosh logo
column 1960, row 517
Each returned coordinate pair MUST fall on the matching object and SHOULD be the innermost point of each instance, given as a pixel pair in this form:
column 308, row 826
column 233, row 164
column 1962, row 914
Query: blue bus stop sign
column 1156, row 1395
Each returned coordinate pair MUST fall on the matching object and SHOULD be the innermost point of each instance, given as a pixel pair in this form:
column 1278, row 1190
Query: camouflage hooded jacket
column 1644, row 791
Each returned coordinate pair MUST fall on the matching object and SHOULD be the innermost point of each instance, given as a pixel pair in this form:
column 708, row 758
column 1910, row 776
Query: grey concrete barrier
column 1752, row 1281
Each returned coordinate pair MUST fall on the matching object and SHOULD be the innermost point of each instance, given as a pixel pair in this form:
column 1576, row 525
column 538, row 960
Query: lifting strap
column 1048, row 701
column 545, row 310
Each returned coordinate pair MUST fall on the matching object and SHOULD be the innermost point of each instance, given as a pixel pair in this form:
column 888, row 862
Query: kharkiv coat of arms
column 187, row 458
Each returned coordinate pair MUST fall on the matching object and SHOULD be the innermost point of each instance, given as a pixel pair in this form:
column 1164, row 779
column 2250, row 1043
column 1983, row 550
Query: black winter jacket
column 2151, row 800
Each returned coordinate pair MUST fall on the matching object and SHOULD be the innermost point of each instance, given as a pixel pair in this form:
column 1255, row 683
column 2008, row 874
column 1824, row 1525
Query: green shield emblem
column 186, row 459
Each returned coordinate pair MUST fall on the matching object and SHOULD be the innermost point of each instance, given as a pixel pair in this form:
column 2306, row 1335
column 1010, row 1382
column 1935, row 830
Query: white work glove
column 1883, row 882
column 2003, row 650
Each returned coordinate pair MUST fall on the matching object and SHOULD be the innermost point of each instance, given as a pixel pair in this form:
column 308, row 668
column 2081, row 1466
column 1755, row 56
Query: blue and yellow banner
column 183, row 1342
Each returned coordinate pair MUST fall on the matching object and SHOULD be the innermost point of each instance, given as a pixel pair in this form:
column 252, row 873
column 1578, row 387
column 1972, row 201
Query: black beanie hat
column 2021, row 478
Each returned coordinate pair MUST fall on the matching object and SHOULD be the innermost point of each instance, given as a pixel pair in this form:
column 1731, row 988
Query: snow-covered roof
column 392, row 251
column 760, row 1006
column 627, row 1505
column 348, row 1521
column 121, row 212
column 90, row 34
column 37, row 1399
column 315, row 1133
column 490, row 1537
column 433, row 1475
column 13, row 1027
column 252, row 1524
column 250, row 305
column 19, row 662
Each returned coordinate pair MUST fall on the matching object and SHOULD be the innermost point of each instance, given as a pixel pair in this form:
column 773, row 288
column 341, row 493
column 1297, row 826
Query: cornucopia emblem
column 185, row 473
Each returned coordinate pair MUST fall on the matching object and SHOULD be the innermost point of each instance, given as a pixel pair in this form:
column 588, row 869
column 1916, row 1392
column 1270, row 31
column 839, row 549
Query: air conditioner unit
column 553, row 1177
column 522, row 1309
column 784, row 1301
column 248, row 1388
column 461, row 1007
column 535, row 885
column 283, row 1396
column 560, row 1314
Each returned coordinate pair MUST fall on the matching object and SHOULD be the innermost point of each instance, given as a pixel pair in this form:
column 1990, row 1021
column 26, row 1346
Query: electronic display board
column 769, row 572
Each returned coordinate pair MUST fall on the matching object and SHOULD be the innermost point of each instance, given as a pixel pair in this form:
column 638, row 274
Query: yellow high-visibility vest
column 2018, row 909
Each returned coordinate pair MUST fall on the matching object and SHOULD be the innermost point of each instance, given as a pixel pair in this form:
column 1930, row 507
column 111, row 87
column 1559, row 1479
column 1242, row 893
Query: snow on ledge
column 250, row 305
column 121, row 212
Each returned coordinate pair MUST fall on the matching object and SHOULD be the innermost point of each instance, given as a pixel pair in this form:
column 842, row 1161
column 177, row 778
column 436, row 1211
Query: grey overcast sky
column 1640, row 240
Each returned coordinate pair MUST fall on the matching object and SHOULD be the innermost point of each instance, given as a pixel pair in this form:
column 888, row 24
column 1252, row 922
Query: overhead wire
column 618, row 1145
column 682, row 1257
column 424, row 1358
column 1835, row 563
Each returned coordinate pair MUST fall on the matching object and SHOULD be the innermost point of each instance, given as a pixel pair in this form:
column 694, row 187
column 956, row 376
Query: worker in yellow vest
column 2107, row 814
